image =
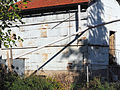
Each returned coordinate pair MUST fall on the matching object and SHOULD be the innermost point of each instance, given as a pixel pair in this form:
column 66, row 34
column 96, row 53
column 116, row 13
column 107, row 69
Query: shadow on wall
column 95, row 49
column 96, row 15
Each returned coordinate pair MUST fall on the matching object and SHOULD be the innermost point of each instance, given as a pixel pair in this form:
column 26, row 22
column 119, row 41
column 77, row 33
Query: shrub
column 96, row 84
column 64, row 79
column 34, row 83
column 14, row 82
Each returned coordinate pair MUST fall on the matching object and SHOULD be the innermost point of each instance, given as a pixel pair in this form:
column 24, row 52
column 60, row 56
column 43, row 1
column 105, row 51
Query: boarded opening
column 112, row 47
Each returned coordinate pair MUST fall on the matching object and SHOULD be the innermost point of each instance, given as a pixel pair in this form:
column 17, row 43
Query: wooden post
column 8, row 60
column 11, row 58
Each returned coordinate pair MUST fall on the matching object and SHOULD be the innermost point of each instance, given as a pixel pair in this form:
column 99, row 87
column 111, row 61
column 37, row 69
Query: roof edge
column 48, row 3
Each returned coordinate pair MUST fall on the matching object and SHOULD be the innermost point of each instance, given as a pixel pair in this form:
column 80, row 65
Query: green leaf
column 18, row 37
column 25, row 6
column 8, row 39
column 25, row 2
column 9, row 13
column 13, row 41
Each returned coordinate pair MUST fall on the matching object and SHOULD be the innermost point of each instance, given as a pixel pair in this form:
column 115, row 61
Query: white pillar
column 87, row 74
column 79, row 17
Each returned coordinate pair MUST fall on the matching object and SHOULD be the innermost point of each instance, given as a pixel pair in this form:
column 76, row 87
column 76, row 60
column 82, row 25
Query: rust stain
column 83, row 38
column 44, row 56
column 46, row 24
column 43, row 28
column 43, row 34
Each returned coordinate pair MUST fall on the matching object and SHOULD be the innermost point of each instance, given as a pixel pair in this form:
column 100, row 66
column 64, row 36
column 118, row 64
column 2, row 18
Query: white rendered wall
column 99, row 12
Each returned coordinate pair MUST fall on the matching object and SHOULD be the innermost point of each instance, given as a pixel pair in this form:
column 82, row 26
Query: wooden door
column 112, row 47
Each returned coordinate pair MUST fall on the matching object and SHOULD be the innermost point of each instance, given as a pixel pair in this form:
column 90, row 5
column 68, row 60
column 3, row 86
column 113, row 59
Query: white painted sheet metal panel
column 60, row 62
column 39, row 31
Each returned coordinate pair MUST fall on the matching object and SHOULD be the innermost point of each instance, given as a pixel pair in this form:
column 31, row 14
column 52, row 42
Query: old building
column 49, row 20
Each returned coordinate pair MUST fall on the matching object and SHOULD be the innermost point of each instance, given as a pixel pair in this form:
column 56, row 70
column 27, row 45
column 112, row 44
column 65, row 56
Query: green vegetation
column 13, row 82
column 9, row 17
column 96, row 84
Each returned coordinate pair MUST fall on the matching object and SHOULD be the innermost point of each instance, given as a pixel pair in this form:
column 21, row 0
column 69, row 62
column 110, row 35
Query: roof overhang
column 33, row 4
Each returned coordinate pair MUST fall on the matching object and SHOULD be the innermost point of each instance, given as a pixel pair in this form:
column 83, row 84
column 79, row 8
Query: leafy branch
column 9, row 15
